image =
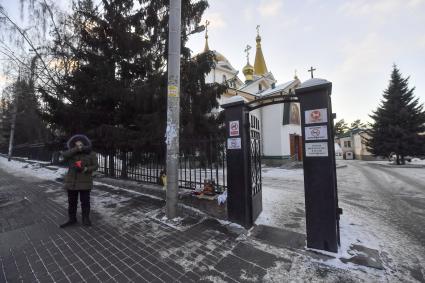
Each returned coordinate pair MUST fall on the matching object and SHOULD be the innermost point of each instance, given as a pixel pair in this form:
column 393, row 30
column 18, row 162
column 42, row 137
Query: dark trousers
column 73, row 201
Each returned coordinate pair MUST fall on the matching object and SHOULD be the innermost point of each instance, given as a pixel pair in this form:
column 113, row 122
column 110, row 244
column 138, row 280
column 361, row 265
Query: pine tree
column 398, row 121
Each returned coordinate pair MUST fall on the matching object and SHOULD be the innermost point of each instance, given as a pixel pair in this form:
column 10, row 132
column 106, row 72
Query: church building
column 280, row 124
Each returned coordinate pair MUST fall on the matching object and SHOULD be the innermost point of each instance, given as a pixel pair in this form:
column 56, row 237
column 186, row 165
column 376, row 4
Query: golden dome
column 260, row 67
column 248, row 72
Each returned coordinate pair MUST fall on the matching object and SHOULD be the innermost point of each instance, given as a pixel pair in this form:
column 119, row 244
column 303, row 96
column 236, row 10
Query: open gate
column 244, row 202
column 255, row 163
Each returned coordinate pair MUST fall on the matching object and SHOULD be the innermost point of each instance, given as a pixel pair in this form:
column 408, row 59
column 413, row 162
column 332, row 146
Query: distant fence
column 200, row 161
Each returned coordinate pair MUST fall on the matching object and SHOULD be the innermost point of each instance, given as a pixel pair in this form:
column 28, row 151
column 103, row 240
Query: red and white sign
column 316, row 116
column 315, row 133
column 234, row 128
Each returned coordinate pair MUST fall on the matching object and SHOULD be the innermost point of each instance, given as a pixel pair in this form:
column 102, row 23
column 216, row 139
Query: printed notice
column 173, row 91
column 234, row 143
column 234, row 128
column 315, row 133
column 316, row 116
column 316, row 149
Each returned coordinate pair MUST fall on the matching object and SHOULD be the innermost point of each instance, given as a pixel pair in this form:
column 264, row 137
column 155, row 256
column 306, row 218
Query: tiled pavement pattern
column 34, row 249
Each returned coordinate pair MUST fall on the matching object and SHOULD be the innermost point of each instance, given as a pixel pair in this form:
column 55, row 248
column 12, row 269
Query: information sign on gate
column 316, row 149
column 234, row 143
column 315, row 133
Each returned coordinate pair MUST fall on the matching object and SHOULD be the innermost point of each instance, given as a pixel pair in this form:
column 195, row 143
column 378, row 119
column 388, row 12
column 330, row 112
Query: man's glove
column 78, row 165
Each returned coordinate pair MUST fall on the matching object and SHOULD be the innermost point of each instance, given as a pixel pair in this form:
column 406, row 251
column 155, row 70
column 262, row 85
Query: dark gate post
column 239, row 188
column 321, row 199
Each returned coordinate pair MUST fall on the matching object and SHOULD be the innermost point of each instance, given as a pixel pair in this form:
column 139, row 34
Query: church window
column 260, row 87
column 224, row 78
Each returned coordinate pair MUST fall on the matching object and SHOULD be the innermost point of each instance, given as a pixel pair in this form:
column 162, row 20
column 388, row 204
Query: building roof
column 278, row 88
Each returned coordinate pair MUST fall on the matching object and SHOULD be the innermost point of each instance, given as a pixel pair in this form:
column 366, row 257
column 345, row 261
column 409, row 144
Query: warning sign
column 234, row 128
column 315, row 133
column 316, row 149
column 234, row 143
column 316, row 116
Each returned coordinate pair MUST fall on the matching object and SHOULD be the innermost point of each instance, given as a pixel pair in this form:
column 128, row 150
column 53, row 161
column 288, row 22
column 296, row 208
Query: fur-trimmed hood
column 83, row 138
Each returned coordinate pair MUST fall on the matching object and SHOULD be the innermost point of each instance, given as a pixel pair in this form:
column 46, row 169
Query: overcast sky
column 351, row 43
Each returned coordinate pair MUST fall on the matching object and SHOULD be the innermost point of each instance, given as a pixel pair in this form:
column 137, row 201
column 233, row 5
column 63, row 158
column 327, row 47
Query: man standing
column 79, row 180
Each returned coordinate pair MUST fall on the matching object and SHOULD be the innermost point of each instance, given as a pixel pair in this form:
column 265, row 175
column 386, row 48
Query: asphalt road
column 384, row 209
column 399, row 189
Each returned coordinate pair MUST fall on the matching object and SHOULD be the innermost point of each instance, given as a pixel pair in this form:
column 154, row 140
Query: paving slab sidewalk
column 129, row 242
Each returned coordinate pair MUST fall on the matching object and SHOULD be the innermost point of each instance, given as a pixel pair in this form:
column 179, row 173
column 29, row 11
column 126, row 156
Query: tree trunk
column 403, row 162
column 397, row 159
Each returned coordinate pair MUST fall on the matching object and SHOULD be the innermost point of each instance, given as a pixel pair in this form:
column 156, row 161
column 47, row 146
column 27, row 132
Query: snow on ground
column 26, row 169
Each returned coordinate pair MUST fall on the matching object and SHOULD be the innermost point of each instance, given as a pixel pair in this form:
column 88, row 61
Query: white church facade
column 280, row 124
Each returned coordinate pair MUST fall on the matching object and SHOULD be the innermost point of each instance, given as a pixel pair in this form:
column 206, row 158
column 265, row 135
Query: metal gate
column 255, row 164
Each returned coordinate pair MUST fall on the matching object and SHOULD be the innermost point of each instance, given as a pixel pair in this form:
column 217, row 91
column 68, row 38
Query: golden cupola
column 248, row 70
column 260, row 67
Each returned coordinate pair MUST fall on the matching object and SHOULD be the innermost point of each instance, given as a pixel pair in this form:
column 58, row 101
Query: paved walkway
column 129, row 242
column 34, row 249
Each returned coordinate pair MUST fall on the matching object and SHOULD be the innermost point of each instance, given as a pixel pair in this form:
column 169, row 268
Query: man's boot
column 86, row 221
column 70, row 222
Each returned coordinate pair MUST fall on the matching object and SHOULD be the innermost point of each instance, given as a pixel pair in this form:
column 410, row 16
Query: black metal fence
column 201, row 161
column 37, row 151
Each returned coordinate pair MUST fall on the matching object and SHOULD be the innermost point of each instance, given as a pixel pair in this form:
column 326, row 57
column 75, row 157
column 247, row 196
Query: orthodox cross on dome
column 206, row 48
column 207, row 23
column 258, row 29
column 247, row 53
column 311, row 71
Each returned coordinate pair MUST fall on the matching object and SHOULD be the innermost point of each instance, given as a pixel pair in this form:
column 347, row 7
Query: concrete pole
column 14, row 113
column 173, row 108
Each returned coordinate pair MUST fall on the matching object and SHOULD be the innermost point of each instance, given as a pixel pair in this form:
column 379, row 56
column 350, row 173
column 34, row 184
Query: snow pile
column 20, row 168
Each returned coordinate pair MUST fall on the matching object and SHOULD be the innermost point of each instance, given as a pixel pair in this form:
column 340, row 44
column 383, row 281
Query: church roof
column 278, row 88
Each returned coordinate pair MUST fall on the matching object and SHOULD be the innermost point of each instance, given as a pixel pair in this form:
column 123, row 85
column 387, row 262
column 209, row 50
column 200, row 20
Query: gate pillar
column 239, row 187
column 321, row 199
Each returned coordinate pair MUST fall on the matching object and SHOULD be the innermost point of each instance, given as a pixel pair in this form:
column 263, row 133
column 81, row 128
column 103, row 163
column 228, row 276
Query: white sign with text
column 316, row 149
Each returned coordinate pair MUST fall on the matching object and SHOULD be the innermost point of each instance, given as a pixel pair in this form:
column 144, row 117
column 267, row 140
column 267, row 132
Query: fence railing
column 201, row 162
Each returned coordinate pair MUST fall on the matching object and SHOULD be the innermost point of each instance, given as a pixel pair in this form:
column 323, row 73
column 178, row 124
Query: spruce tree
column 116, row 88
column 398, row 121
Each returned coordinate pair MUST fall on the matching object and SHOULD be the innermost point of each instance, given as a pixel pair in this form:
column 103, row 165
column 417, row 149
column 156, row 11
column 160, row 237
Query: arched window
column 224, row 78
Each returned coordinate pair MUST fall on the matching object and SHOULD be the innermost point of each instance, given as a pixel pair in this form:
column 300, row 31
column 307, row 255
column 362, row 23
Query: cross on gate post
column 311, row 71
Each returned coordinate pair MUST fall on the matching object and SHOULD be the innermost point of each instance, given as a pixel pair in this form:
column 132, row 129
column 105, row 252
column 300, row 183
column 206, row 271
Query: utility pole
column 15, row 112
column 173, row 108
